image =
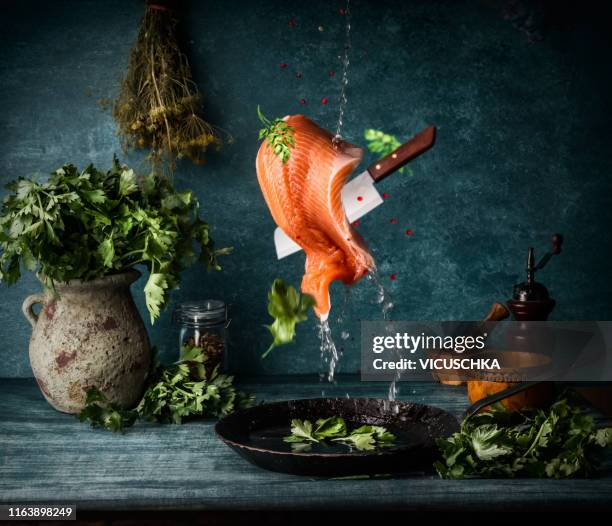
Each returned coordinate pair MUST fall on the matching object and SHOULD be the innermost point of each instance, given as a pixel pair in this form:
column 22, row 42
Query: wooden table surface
column 50, row 457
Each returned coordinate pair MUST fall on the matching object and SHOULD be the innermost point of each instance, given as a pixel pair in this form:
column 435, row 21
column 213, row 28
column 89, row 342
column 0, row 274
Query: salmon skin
column 304, row 198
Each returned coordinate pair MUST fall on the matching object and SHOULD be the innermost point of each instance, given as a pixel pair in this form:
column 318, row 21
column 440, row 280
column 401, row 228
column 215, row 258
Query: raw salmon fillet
column 304, row 198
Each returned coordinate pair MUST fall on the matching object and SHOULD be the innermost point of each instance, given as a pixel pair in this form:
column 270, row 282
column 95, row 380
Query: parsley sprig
column 279, row 134
column 363, row 438
column 288, row 307
column 183, row 390
column 89, row 224
column 559, row 443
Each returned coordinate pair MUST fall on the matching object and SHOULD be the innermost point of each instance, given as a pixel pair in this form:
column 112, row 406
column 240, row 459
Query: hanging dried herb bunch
column 159, row 106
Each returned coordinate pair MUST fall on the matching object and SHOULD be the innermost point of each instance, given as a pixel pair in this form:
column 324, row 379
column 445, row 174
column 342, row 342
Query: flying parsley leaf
column 288, row 307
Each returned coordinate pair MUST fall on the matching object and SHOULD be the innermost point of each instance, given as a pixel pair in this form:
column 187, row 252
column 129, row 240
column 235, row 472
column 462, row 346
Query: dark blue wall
column 523, row 149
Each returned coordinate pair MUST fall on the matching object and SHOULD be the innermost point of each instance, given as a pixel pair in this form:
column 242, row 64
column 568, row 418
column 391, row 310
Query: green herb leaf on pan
column 279, row 134
column 288, row 307
column 334, row 429
column 369, row 437
column 383, row 144
column 301, row 430
column 559, row 443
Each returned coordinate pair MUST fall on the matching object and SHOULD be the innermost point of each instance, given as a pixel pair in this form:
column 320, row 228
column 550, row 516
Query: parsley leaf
column 301, row 430
column 559, row 443
column 288, row 307
column 334, row 428
column 101, row 413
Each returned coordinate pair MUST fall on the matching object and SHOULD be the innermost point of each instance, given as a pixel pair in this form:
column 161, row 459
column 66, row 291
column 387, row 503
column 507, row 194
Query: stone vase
column 88, row 333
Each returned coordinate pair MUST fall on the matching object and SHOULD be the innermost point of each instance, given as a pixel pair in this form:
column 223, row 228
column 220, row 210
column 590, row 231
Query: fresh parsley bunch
column 186, row 390
column 366, row 437
column 183, row 390
column 559, row 443
column 89, row 224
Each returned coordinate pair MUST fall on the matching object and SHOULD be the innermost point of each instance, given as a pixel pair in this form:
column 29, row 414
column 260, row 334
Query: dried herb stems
column 159, row 106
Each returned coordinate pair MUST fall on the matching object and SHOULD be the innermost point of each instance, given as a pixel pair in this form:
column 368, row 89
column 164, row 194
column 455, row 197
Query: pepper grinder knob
column 557, row 241
column 530, row 267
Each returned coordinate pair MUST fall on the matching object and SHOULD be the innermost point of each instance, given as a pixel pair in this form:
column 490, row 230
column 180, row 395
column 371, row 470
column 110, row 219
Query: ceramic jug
column 88, row 333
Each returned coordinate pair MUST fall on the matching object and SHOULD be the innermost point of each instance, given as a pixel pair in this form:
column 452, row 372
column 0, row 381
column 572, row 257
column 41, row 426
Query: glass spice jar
column 203, row 324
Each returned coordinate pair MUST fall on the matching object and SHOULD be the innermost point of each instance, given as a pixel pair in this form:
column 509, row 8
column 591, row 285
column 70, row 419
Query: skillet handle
column 491, row 399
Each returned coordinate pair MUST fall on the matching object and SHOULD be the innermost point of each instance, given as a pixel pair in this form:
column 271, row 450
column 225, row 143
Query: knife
column 359, row 195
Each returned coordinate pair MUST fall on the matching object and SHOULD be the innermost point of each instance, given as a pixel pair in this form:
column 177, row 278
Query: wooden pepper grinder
column 530, row 302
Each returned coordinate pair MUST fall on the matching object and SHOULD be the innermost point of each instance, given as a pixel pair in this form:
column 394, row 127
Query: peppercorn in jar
column 203, row 324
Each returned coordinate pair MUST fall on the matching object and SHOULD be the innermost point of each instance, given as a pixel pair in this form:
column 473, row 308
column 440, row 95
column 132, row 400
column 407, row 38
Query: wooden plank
column 46, row 456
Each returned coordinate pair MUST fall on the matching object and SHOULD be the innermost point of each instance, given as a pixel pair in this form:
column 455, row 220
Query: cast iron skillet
column 256, row 434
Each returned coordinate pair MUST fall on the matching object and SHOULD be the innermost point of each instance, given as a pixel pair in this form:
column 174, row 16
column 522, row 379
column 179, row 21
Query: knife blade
column 359, row 196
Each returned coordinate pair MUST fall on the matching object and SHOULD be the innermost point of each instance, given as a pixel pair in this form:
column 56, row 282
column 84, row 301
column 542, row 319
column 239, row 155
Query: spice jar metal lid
column 206, row 313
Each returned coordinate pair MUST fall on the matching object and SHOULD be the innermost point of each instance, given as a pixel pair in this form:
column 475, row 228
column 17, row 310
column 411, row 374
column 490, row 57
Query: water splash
column 394, row 388
column 382, row 298
column 345, row 67
column 329, row 354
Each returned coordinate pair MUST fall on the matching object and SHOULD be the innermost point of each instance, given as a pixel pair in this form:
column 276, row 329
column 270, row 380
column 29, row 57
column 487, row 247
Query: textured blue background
column 522, row 151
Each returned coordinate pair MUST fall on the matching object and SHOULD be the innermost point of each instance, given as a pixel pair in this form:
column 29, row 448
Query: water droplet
column 329, row 354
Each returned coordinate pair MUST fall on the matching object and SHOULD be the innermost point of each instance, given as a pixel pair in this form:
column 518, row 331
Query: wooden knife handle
column 419, row 144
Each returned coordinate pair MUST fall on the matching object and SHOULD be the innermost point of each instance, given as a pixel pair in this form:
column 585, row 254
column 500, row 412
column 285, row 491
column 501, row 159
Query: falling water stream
column 330, row 355
column 345, row 67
